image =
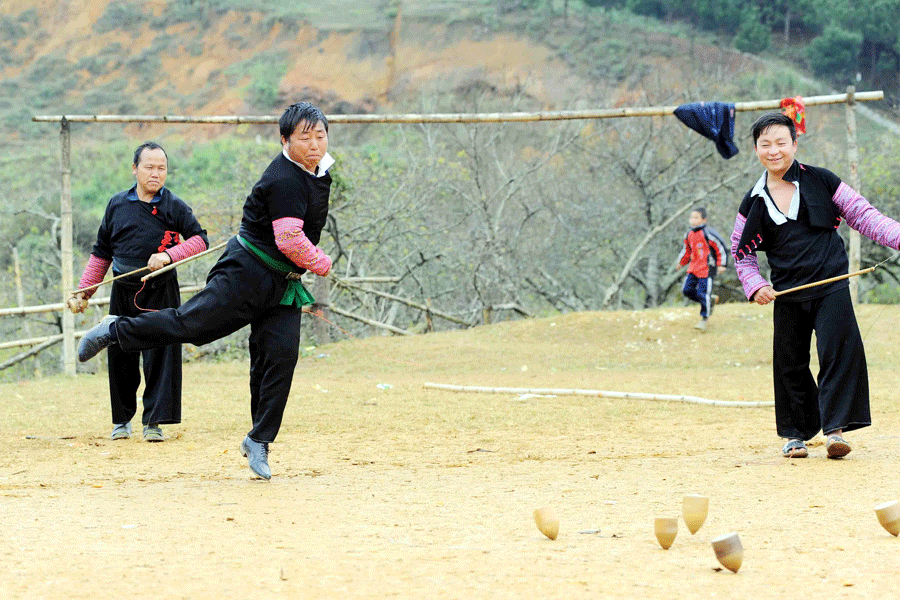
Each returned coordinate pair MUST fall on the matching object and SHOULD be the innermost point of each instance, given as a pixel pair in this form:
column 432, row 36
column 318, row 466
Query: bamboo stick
column 110, row 280
column 824, row 281
column 175, row 265
column 168, row 267
column 559, row 115
column 595, row 393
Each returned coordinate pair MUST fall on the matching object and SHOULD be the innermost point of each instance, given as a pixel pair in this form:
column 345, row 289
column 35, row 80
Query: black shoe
column 257, row 456
column 96, row 339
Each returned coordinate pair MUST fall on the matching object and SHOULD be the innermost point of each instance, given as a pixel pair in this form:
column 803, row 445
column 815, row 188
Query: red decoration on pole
column 795, row 109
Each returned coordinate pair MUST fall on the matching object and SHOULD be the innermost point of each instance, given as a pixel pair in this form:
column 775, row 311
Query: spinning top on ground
column 694, row 509
column 666, row 529
column 547, row 522
column 889, row 516
column 729, row 551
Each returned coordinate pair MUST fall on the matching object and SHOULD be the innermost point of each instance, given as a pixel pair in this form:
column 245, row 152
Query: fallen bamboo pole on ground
column 595, row 393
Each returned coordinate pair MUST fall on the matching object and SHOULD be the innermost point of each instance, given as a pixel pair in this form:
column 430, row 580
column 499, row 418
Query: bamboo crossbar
column 37, row 340
column 594, row 393
column 556, row 115
column 45, row 308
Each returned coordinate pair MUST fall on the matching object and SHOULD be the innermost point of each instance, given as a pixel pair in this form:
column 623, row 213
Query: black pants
column 841, row 399
column 239, row 291
column 162, row 365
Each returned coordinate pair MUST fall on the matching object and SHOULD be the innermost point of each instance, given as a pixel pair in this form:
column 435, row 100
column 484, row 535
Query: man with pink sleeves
column 256, row 281
column 792, row 214
column 145, row 227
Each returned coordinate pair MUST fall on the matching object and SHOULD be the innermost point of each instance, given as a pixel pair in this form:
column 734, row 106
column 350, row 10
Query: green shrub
column 835, row 52
column 753, row 35
column 120, row 15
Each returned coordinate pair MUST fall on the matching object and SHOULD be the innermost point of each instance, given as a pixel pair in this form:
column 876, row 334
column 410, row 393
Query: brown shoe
column 837, row 447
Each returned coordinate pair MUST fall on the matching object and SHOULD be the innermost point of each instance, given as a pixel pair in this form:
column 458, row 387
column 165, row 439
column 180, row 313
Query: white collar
column 324, row 164
column 779, row 217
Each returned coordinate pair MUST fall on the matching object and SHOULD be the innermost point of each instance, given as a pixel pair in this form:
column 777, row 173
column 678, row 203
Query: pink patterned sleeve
column 294, row 244
column 748, row 267
column 865, row 218
column 189, row 247
column 94, row 272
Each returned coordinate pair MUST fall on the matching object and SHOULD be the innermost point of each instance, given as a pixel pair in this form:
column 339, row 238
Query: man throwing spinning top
column 256, row 281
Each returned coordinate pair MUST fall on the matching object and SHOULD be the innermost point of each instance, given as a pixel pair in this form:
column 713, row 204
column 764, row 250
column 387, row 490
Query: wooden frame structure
column 65, row 121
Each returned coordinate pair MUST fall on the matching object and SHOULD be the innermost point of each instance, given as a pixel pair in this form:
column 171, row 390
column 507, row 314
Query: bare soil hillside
column 383, row 488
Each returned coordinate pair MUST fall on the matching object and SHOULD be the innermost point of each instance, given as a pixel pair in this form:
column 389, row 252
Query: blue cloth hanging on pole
column 713, row 120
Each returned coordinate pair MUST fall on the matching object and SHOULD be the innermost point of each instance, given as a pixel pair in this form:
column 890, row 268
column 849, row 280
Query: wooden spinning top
column 889, row 516
column 547, row 521
column 666, row 529
column 694, row 509
column 729, row 551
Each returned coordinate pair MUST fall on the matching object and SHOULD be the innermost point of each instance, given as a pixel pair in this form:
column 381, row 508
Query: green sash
column 295, row 295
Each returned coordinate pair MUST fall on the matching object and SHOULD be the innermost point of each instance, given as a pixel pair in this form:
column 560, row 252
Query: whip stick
column 173, row 265
column 142, row 269
column 838, row 278
column 96, row 285
column 824, row 281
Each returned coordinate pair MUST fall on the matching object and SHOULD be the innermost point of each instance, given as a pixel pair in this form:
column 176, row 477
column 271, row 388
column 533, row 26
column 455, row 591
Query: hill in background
column 228, row 57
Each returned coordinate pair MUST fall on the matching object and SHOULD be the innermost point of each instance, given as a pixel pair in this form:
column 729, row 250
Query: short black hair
column 147, row 146
column 701, row 210
column 298, row 113
column 773, row 120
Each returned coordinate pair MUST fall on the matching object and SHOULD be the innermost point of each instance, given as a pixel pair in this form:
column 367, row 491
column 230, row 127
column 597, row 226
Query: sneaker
column 122, row 431
column 701, row 325
column 95, row 339
column 152, row 433
column 257, row 457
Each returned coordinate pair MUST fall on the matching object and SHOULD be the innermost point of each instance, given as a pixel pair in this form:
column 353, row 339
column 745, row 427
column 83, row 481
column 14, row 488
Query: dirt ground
column 385, row 489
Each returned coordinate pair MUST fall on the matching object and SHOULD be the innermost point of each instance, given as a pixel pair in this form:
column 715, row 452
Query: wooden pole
column 853, row 158
column 20, row 292
column 66, row 257
column 559, row 115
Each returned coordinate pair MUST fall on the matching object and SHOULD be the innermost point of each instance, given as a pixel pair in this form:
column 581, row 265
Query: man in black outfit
column 141, row 229
column 256, row 281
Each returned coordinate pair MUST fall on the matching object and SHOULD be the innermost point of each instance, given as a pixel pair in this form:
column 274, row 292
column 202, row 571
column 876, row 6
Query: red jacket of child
column 698, row 247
